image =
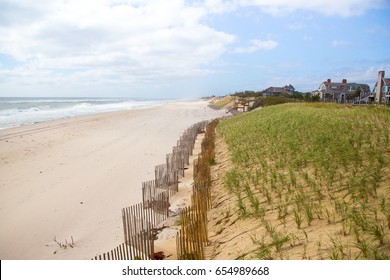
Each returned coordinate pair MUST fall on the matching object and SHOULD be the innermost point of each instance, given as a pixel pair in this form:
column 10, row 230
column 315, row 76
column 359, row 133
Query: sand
column 68, row 179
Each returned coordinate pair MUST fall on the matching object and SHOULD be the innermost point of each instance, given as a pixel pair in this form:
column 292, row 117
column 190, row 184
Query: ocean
column 16, row 111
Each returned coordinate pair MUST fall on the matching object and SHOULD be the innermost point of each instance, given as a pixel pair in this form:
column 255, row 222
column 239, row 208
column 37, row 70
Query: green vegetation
column 248, row 93
column 264, row 101
column 224, row 101
column 269, row 101
column 313, row 168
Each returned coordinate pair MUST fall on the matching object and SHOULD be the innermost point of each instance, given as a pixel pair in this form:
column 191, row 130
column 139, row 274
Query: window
column 385, row 89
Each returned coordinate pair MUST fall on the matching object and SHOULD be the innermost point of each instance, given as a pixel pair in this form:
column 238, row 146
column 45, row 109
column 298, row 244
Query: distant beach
column 69, row 178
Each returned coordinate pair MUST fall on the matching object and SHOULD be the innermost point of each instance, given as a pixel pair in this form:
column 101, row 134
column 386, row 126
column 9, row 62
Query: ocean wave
column 28, row 111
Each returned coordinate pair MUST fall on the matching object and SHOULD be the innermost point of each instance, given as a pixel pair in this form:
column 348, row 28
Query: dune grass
column 224, row 101
column 321, row 169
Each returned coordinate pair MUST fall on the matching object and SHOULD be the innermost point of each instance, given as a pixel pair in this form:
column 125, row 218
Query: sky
column 186, row 49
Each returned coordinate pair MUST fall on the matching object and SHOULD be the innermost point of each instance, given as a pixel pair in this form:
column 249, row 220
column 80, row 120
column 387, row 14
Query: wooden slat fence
column 176, row 161
column 142, row 248
column 168, row 184
column 139, row 224
column 189, row 242
column 192, row 237
column 140, row 220
column 183, row 149
column 201, row 197
column 164, row 177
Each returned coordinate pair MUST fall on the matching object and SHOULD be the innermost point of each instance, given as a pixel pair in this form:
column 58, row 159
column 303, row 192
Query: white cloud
column 343, row 8
column 119, row 40
column 364, row 73
column 132, row 42
column 340, row 43
column 257, row 45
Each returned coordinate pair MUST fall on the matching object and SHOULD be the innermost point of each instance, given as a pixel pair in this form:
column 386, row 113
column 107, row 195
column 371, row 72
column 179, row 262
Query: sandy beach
column 70, row 178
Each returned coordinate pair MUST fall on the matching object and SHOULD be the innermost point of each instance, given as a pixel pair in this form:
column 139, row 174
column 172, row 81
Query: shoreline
column 28, row 111
column 98, row 112
column 68, row 179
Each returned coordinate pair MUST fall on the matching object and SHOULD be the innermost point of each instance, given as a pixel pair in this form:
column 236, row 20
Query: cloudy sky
column 188, row 48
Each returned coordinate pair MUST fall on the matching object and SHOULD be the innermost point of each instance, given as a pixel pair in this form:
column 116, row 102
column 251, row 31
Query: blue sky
column 184, row 49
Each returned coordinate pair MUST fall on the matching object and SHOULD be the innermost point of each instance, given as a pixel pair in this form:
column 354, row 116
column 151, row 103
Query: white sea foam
column 19, row 111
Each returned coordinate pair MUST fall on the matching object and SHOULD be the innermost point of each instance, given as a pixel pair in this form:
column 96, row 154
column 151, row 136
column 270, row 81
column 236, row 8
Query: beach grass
column 224, row 101
column 321, row 168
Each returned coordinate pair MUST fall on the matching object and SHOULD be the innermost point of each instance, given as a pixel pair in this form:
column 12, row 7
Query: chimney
column 379, row 85
column 329, row 81
column 344, row 81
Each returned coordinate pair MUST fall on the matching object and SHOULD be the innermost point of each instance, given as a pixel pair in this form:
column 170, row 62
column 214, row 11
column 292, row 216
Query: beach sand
column 68, row 179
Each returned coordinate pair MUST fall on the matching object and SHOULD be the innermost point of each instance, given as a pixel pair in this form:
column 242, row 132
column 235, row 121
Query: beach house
column 381, row 91
column 272, row 91
column 341, row 92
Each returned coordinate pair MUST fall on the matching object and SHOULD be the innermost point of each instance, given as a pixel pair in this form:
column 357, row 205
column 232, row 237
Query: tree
column 315, row 98
column 357, row 92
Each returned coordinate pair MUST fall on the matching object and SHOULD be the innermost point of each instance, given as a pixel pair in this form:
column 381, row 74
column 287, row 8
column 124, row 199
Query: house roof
column 365, row 87
column 333, row 84
column 276, row 89
column 290, row 86
column 336, row 88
